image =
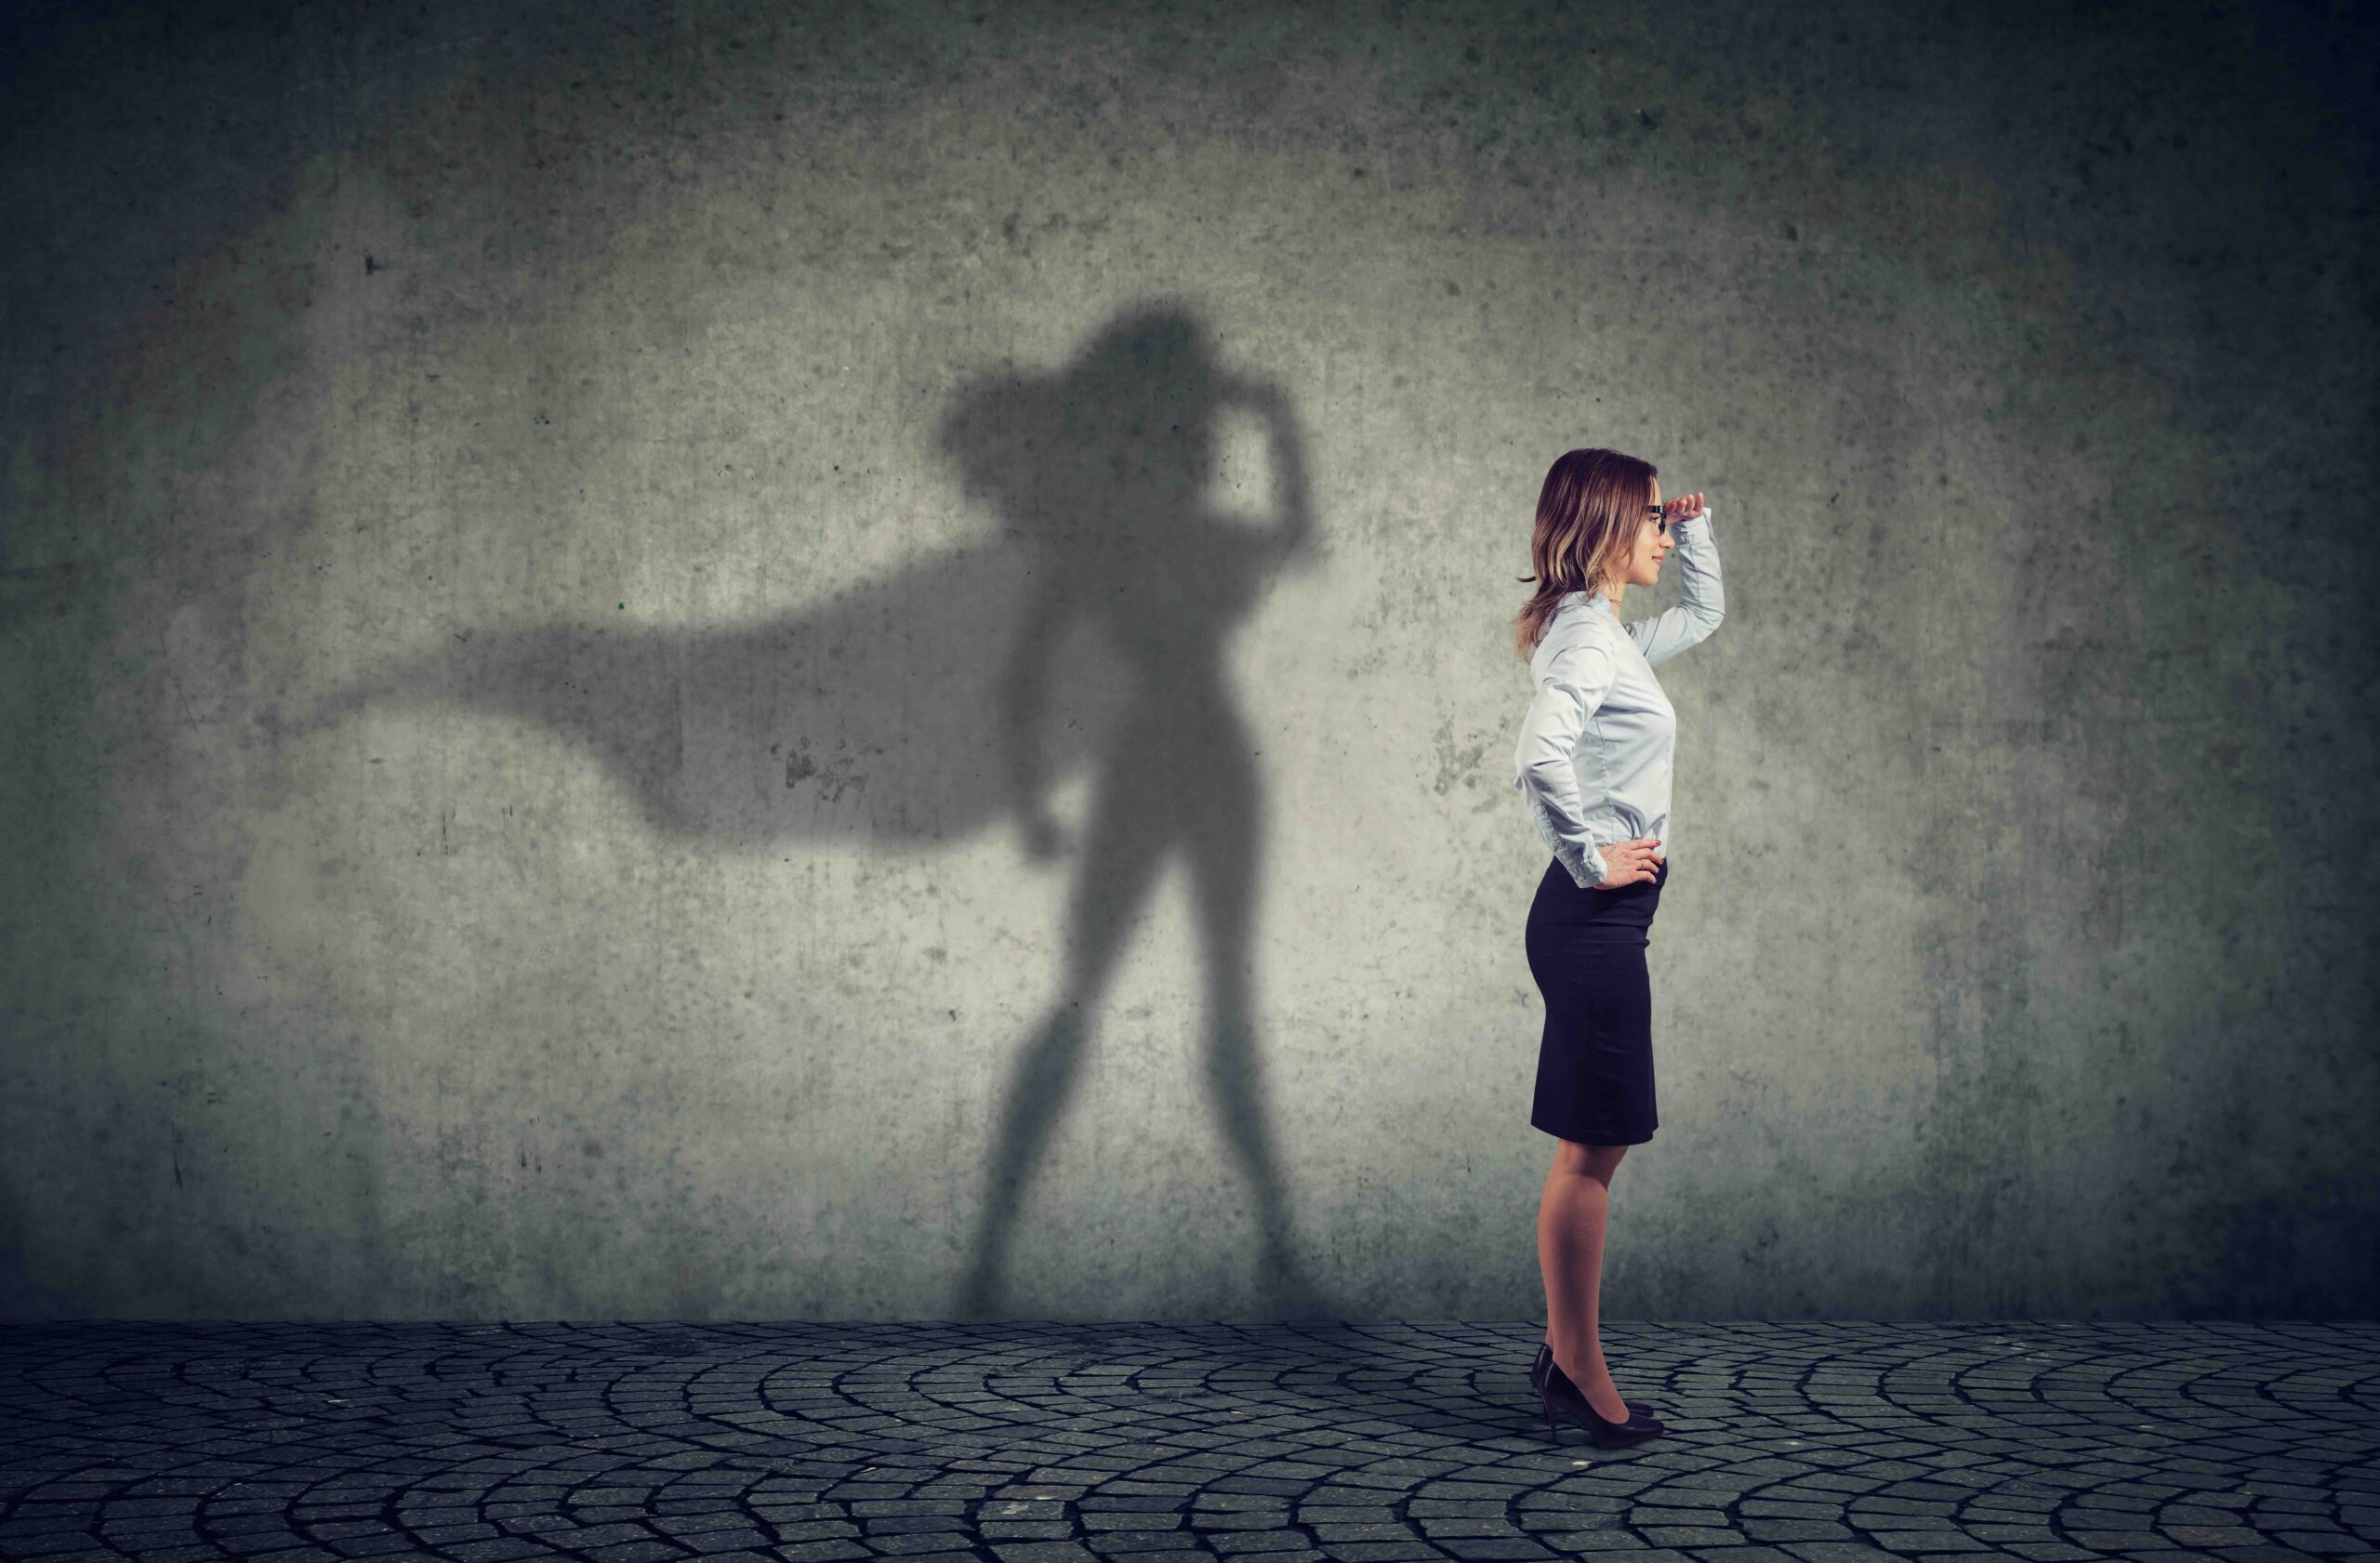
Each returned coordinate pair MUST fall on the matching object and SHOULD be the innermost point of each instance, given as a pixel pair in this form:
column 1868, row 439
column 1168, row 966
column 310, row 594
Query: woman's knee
column 1586, row 1161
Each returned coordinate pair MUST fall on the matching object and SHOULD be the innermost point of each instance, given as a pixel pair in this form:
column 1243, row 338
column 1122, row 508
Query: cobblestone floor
column 1787, row 1443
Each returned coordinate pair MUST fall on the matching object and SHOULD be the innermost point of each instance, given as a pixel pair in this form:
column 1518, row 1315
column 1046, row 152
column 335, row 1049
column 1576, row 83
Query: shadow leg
column 1120, row 855
column 1225, row 826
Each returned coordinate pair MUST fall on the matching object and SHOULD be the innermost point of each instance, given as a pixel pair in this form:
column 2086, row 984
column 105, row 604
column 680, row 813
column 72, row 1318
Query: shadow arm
column 1292, row 532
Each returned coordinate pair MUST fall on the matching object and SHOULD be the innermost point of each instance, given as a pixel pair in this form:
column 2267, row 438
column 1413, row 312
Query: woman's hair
column 1588, row 516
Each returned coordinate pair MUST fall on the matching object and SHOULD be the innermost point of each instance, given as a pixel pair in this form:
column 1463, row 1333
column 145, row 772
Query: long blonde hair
column 1588, row 516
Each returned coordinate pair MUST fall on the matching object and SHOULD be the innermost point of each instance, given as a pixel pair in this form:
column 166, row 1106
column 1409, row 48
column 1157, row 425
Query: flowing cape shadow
column 885, row 712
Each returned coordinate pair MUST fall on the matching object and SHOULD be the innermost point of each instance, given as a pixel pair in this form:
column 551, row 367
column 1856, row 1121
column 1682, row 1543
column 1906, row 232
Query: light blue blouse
column 1597, row 743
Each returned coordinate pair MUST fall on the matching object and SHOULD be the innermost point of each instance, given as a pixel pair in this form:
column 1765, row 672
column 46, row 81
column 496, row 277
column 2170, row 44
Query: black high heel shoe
column 1545, row 1360
column 1555, row 1391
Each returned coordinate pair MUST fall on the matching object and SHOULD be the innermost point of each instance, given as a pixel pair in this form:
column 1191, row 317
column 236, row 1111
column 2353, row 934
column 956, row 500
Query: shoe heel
column 1559, row 1393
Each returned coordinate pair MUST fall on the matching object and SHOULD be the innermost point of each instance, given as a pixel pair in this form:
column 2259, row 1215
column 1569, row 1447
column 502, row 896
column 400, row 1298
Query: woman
column 1594, row 762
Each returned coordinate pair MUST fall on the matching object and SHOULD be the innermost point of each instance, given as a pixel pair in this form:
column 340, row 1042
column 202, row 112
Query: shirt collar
column 1598, row 603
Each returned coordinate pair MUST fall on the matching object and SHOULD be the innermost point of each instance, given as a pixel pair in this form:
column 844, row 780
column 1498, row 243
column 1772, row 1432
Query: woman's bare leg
column 1569, row 1251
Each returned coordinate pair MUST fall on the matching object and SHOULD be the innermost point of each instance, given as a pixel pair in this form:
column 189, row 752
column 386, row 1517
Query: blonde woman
column 1594, row 762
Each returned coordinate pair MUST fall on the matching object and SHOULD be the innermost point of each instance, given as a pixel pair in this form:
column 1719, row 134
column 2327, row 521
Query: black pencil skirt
column 1595, row 1063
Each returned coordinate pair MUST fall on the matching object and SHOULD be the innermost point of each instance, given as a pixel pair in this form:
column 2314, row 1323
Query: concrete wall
column 557, row 557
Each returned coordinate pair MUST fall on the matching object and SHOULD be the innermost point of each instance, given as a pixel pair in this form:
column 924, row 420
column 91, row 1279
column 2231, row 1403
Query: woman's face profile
column 1645, row 561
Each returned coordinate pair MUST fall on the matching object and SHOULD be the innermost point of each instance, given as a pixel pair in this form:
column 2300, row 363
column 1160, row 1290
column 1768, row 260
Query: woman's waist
column 1640, row 780
column 1622, row 816
column 1557, row 885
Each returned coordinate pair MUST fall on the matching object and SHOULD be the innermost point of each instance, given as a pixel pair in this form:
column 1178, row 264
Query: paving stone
column 1266, row 1544
column 1022, row 1443
column 1793, row 1530
column 1913, row 1543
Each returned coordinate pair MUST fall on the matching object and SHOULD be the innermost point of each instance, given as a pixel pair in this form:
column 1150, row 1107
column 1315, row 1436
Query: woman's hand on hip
column 1631, row 862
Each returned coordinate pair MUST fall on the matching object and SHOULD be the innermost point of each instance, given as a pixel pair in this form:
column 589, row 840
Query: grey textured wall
column 559, row 557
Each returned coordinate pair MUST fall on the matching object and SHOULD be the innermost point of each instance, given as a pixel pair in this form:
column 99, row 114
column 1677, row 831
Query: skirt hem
column 1597, row 1139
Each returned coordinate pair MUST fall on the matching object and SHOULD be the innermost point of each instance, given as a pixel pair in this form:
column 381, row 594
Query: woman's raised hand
column 1629, row 862
column 1685, row 506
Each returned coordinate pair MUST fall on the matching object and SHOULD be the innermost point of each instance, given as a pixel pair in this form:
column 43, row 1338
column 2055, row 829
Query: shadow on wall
column 936, row 702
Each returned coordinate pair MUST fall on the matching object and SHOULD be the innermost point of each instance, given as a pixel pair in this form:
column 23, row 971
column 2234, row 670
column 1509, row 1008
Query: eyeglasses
column 1658, row 517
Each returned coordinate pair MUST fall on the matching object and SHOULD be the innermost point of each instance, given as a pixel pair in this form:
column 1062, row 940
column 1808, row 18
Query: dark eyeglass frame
column 1658, row 517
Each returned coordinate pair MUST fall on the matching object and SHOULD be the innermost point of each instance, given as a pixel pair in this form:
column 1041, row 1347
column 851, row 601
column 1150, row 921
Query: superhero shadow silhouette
column 930, row 703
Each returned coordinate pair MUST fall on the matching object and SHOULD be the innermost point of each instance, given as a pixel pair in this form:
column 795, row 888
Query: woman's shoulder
column 1572, row 630
column 1577, row 618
